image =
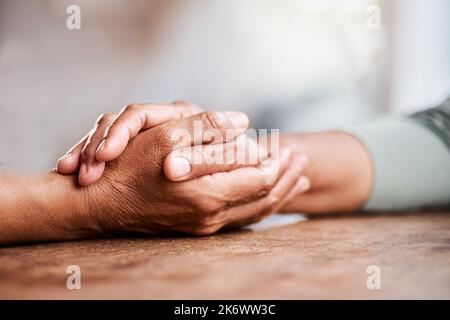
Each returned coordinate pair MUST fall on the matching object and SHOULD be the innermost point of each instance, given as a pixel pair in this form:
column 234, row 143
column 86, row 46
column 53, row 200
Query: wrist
column 339, row 169
column 43, row 207
column 64, row 206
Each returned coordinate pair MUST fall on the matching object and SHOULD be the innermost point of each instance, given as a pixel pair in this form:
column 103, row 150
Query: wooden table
column 319, row 258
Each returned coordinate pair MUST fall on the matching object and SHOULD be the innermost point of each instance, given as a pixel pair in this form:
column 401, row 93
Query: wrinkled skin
column 134, row 194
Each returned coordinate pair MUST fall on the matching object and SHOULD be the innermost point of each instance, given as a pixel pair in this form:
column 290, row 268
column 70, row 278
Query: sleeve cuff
column 411, row 165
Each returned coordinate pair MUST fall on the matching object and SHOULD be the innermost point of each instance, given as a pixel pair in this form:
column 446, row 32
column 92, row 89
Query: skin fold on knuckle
column 207, row 208
column 131, row 107
column 266, row 184
column 187, row 106
column 88, row 152
column 105, row 117
column 217, row 126
column 182, row 108
column 201, row 219
column 204, row 206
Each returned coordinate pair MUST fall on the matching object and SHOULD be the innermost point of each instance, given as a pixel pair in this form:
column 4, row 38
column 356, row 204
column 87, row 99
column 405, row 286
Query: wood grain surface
column 318, row 258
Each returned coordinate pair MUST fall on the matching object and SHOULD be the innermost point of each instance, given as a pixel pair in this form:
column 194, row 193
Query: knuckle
column 203, row 221
column 182, row 108
column 207, row 208
column 266, row 187
column 181, row 104
column 216, row 126
column 260, row 216
column 264, row 191
column 132, row 107
column 110, row 130
column 88, row 151
column 101, row 118
column 186, row 107
column 105, row 117
column 213, row 119
column 205, row 230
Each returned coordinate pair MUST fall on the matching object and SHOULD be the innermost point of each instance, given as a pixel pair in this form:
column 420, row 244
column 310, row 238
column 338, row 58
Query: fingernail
column 238, row 119
column 101, row 146
column 303, row 184
column 181, row 167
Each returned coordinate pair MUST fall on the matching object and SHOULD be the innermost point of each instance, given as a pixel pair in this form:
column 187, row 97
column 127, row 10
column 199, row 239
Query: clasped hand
column 145, row 169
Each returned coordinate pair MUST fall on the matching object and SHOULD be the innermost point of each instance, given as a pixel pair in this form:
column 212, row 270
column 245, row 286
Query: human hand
column 135, row 195
column 113, row 131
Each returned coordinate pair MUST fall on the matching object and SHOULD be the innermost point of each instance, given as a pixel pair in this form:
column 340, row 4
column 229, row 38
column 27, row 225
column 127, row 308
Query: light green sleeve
column 411, row 164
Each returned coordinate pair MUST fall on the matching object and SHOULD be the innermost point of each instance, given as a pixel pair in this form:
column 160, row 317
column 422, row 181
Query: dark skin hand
column 134, row 194
column 148, row 201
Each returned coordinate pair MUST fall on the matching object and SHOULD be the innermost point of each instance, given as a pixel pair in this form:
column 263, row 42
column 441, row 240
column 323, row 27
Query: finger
column 255, row 211
column 192, row 162
column 291, row 180
column 70, row 162
column 90, row 169
column 303, row 185
column 204, row 128
column 136, row 117
column 239, row 186
column 246, row 185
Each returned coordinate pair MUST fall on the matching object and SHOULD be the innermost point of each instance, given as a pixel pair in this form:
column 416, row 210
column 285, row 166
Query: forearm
column 41, row 207
column 388, row 164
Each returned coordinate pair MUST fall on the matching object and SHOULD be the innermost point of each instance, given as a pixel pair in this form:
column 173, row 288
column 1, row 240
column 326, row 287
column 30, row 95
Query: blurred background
column 292, row 64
